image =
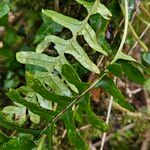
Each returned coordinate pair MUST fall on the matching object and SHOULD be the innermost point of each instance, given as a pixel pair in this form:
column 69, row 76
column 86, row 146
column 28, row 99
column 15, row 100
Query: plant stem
column 125, row 26
column 43, row 137
column 124, row 33
column 107, row 121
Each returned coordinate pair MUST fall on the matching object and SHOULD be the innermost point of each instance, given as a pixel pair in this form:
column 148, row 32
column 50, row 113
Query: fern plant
column 55, row 91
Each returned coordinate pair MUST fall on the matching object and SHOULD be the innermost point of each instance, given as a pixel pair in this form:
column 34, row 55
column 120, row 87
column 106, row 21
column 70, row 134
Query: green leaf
column 4, row 9
column 50, row 63
column 132, row 72
column 77, row 51
column 7, row 124
column 70, row 47
column 77, row 27
column 90, row 37
column 73, row 136
column 40, row 89
column 94, row 120
column 16, row 112
column 145, row 69
column 33, row 58
column 123, row 56
column 146, row 57
column 21, row 143
column 102, row 41
column 115, row 69
column 98, row 8
column 11, row 36
column 34, row 118
column 3, row 138
column 33, row 99
column 48, row 27
column 68, row 22
column 72, row 77
column 43, row 102
column 108, row 85
column 54, row 82
column 14, row 96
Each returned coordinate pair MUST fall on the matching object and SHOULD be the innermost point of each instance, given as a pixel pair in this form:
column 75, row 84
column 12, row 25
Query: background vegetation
column 74, row 70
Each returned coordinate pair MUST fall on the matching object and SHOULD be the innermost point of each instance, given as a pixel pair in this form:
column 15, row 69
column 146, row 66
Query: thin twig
column 107, row 120
column 142, row 34
column 145, row 11
column 132, row 114
column 120, row 131
column 137, row 38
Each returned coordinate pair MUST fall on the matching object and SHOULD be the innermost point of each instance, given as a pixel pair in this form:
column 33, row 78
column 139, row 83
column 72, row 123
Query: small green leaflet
column 77, row 27
column 99, row 8
column 73, row 77
column 4, row 9
column 48, row 27
column 108, row 85
column 73, row 135
column 133, row 73
column 37, row 86
column 8, row 125
column 45, row 113
column 94, row 120
column 65, row 21
column 53, row 81
column 16, row 113
column 115, row 69
column 146, row 57
column 129, row 69
column 33, row 58
column 123, row 56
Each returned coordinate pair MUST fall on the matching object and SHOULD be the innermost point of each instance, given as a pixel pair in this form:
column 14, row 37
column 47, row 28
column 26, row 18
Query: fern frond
column 57, row 69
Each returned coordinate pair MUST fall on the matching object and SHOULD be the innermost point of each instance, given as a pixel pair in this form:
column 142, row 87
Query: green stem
column 41, row 144
column 134, row 33
column 125, row 26
column 124, row 33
